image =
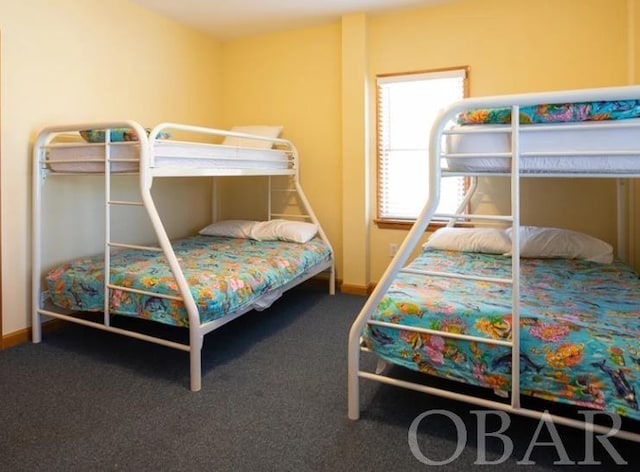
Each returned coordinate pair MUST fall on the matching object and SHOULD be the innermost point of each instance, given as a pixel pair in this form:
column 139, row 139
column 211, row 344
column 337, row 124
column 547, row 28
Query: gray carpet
column 273, row 399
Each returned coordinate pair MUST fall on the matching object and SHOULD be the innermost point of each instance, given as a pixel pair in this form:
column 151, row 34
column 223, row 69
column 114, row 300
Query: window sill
column 407, row 224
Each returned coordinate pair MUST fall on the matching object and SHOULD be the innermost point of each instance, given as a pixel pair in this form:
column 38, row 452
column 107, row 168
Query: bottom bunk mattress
column 225, row 275
column 579, row 327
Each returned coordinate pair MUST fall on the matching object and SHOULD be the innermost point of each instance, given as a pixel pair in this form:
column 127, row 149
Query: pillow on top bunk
column 117, row 135
column 540, row 242
column 259, row 130
column 229, row 228
column 485, row 240
column 283, row 230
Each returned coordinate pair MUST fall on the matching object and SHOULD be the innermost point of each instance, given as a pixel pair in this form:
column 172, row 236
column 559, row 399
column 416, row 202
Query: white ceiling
column 228, row 19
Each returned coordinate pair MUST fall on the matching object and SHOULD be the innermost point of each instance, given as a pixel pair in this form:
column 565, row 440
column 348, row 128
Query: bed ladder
column 44, row 138
column 195, row 335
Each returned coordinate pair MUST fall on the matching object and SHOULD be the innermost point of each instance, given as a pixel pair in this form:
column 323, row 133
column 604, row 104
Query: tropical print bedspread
column 579, row 328
column 553, row 113
column 224, row 274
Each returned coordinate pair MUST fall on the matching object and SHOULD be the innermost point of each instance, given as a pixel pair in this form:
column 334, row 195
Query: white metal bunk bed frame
column 147, row 173
column 417, row 231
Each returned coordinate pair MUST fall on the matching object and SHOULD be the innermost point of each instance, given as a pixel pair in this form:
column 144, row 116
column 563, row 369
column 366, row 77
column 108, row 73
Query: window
column 407, row 106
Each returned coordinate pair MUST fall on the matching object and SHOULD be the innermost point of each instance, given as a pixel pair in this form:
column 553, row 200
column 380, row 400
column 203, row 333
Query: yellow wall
column 290, row 79
column 514, row 47
column 355, row 152
column 510, row 46
column 70, row 61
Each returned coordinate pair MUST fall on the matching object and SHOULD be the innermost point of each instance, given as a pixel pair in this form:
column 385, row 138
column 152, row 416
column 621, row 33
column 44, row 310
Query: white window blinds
column 407, row 106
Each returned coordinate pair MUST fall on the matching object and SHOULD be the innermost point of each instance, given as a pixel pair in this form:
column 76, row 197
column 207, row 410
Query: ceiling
column 229, row 19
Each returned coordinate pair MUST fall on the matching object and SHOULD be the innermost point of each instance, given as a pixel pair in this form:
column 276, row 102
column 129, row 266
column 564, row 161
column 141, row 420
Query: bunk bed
column 517, row 312
column 199, row 282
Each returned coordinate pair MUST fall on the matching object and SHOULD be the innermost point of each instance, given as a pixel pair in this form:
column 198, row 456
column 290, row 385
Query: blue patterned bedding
column 579, row 327
column 224, row 274
column 554, row 113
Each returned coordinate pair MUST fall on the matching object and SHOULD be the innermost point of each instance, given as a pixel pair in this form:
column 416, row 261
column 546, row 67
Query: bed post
column 195, row 359
column 36, row 237
column 515, row 257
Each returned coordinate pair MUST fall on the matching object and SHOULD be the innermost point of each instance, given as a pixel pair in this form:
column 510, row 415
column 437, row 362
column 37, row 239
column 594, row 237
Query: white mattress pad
column 596, row 147
column 86, row 157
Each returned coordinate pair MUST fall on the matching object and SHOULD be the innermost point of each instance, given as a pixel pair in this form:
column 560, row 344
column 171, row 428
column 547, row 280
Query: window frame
column 391, row 223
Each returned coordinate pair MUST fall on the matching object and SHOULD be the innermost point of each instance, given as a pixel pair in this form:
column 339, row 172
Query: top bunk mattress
column 81, row 157
column 587, row 137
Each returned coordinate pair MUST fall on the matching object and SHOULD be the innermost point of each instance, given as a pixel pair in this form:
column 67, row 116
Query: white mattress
column 588, row 147
column 78, row 157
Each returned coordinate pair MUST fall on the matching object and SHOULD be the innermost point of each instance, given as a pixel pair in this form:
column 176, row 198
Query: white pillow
column 540, row 242
column 259, row 130
column 485, row 240
column 283, row 230
column 230, row 228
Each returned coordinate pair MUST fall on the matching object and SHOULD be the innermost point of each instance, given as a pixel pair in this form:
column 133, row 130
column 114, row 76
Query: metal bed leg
column 354, row 397
column 332, row 280
column 195, row 361
column 36, row 328
column 353, row 378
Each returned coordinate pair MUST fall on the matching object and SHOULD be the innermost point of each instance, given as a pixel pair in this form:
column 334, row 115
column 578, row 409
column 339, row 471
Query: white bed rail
column 195, row 134
column 427, row 214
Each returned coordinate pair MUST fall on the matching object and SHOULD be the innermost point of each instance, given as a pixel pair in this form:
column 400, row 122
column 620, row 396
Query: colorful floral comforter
column 224, row 274
column 579, row 328
column 561, row 112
